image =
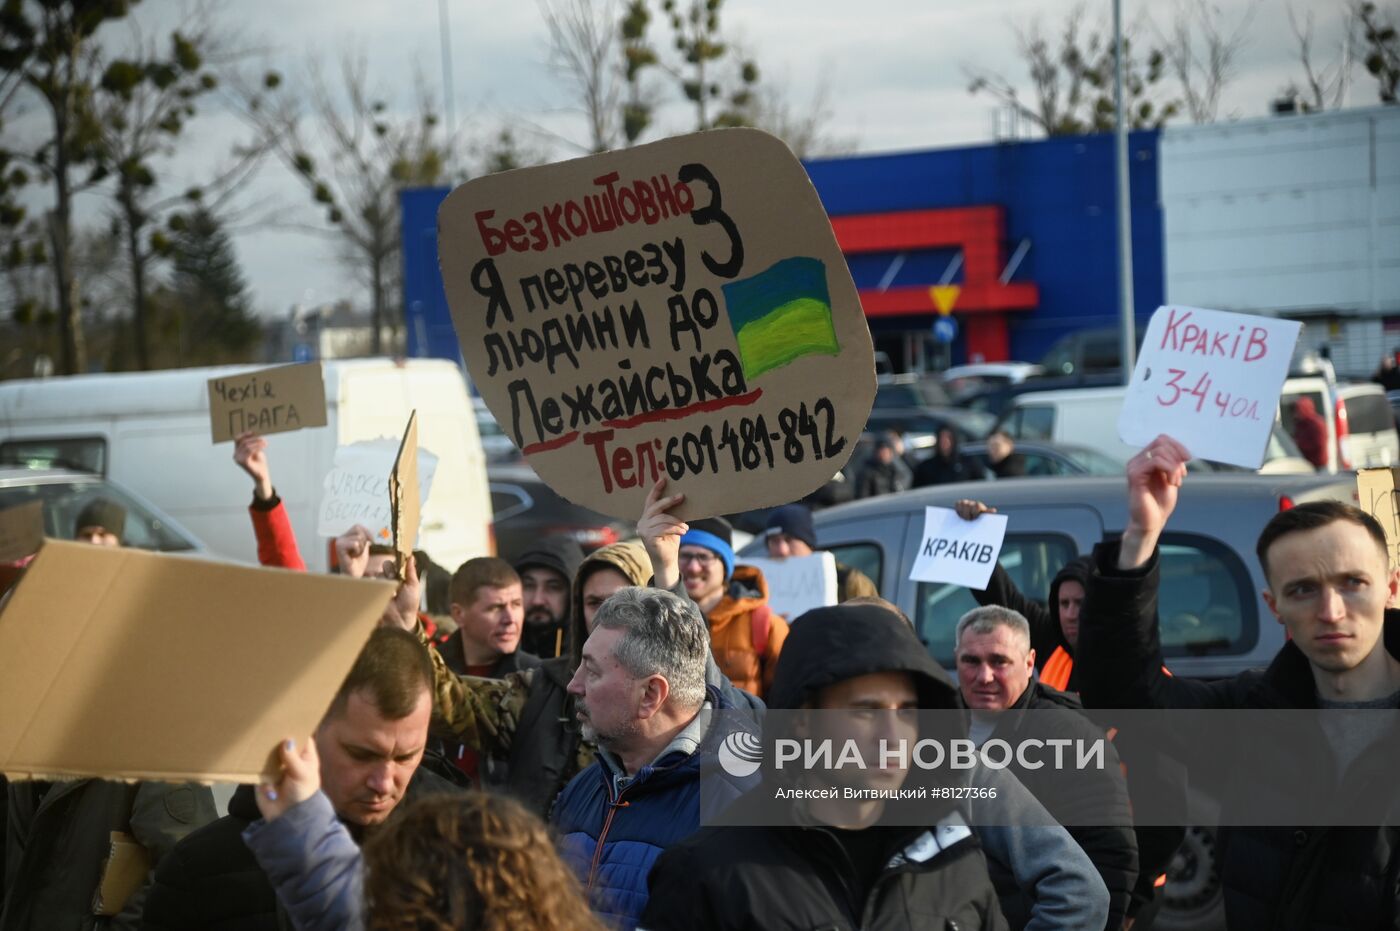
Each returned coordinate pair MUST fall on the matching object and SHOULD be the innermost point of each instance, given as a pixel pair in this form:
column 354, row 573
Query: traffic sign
column 944, row 297
column 945, row 329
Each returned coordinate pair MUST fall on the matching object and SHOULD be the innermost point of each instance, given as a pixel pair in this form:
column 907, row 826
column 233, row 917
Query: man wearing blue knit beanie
column 745, row 636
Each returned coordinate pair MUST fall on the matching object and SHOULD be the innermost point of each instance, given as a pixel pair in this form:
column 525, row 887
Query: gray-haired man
column 640, row 693
column 996, row 678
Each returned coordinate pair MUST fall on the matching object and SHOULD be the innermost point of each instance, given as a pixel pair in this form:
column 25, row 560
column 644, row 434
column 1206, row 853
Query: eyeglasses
column 702, row 558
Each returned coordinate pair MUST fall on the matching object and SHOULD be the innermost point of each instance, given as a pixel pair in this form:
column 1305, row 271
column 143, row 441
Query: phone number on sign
column 743, row 444
column 1228, row 406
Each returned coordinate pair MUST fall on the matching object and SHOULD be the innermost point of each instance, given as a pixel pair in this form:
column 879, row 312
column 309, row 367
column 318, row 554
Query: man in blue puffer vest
column 640, row 694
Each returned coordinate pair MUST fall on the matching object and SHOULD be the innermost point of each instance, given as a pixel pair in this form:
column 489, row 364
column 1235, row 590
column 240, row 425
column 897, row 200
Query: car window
column 1037, row 422
column 64, row 501
column 85, row 454
column 1101, row 354
column 1040, row 464
column 897, row 396
column 1059, row 360
column 508, row 500
column 869, row 558
column 1031, row 560
column 1206, row 605
column 1368, row 413
column 1285, row 410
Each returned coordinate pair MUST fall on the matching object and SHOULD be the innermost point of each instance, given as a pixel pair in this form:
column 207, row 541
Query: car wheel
column 1193, row 898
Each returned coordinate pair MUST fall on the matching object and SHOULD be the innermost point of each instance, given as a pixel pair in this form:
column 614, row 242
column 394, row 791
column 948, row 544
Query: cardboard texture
column 124, row 664
column 356, row 490
column 798, row 584
column 275, row 400
column 679, row 308
column 403, row 497
column 1211, row 380
column 1376, row 495
column 126, row 870
column 21, row 531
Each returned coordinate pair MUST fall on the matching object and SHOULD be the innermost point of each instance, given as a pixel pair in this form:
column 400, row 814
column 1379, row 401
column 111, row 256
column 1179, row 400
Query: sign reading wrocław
column 677, row 309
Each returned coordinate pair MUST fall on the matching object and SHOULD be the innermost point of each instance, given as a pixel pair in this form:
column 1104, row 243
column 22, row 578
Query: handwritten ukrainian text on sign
column 1376, row 494
column 798, row 584
column 963, row 552
column 274, row 400
column 677, row 309
column 356, row 490
column 1210, row 379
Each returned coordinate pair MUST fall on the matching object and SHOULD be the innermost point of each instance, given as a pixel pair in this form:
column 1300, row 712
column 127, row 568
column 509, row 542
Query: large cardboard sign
column 169, row 667
column 798, row 584
column 1211, row 380
column 275, row 400
column 356, row 490
column 963, row 552
column 403, row 497
column 1376, row 495
column 679, row 308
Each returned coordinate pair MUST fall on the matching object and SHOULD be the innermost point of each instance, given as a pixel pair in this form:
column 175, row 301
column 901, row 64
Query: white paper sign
column 356, row 490
column 963, row 552
column 1211, row 380
column 799, row 583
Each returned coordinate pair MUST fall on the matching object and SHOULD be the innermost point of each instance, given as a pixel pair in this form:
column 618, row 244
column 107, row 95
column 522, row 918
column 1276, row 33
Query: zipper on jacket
column 613, row 806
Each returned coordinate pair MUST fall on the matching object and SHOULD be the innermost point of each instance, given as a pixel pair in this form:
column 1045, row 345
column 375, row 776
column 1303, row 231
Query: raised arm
column 661, row 532
column 1001, row 590
column 277, row 545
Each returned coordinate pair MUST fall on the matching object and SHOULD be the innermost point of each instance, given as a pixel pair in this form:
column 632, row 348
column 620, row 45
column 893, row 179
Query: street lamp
column 1125, row 221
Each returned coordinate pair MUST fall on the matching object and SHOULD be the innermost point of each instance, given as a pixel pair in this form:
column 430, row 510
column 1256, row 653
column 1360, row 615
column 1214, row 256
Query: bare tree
column 1072, row 80
column 354, row 163
column 1326, row 75
column 1203, row 52
column 804, row 127
column 1378, row 47
column 584, row 43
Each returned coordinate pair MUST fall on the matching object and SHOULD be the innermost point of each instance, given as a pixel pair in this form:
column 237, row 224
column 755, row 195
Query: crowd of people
column 529, row 751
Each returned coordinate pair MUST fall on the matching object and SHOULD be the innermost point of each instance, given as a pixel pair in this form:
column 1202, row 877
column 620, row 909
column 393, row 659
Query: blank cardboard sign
column 275, row 400
column 125, row 664
column 679, row 309
column 405, row 507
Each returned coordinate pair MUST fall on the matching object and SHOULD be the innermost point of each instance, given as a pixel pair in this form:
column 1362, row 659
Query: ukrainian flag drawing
column 781, row 314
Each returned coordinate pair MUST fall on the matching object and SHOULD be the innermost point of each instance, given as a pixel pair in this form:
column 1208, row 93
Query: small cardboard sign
column 275, row 400
column 21, row 531
column 679, row 308
column 403, row 497
column 962, row 552
column 169, row 667
column 798, row 584
column 1211, row 380
column 1376, row 495
column 356, row 490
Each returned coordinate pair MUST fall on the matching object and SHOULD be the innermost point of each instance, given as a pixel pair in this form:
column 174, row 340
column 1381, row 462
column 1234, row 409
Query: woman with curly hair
column 450, row 862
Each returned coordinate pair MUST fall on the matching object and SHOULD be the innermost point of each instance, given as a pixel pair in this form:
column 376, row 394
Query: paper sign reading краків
column 962, row 552
column 275, row 400
column 1211, row 380
column 677, row 309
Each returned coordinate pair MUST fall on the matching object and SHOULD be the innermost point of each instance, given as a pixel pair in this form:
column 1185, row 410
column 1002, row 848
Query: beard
column 609, row 738
column 540, row 616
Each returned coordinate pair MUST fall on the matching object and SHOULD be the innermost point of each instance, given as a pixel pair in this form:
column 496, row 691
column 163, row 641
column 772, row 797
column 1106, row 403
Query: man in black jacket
column 996, row 667
column 547, row 568
column 1329, row 584
column 370, row 744
column 836, row 867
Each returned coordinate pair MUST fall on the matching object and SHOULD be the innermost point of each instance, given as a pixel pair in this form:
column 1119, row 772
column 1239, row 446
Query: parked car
column 497, row 446
column 1089, row 417
column 963, row 380
column 527, row 509
column 1214, row 621
column 1360, row 423
column 920, row 425
column 65, row 492
column 1051, row 458
column 1088, row 352
column 910, row 390
column 995, row 399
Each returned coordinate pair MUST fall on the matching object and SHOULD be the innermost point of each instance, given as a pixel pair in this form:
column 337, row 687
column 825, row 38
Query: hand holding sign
column 1154, row 478
column 1211, row 379
column 292, row 775
column 660, row 532
column 960, row 551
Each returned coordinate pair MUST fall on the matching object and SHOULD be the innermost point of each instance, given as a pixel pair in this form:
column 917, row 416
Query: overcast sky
column 894, row 68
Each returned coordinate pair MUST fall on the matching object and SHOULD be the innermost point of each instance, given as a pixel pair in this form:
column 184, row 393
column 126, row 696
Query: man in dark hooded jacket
column 946, row 465
column 547, row 569
column 823, row 870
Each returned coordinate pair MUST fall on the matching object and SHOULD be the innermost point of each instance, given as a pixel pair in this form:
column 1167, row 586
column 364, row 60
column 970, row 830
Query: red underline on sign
column 704, row 407
column 547, row 445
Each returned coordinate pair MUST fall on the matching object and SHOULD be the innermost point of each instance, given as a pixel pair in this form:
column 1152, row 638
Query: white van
column 1089, row 417
column 150, row 432
column 1360, row 425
